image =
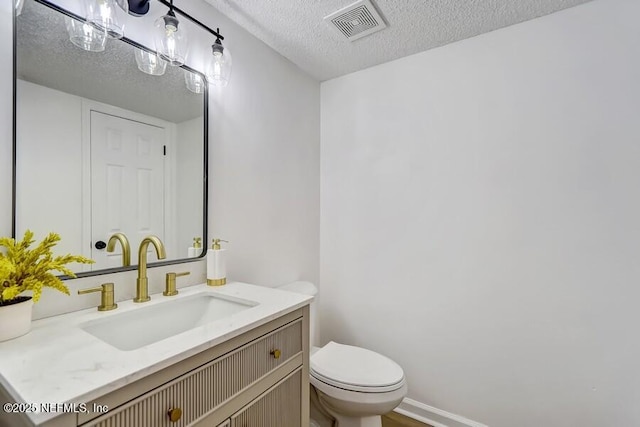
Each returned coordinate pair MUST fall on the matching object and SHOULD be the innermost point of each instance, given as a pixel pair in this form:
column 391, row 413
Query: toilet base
column 324, row 416
column 342, row 421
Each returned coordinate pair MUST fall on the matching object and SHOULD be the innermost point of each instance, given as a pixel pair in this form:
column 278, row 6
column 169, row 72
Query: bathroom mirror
column 102, row 147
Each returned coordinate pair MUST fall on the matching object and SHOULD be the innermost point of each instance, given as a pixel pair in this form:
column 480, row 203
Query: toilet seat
column 356, row 369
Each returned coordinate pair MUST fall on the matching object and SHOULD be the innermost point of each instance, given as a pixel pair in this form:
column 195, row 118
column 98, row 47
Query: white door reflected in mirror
column 125, row 151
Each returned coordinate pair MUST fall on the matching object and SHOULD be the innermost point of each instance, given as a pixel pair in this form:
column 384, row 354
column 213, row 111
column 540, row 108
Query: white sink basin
column 147, row 325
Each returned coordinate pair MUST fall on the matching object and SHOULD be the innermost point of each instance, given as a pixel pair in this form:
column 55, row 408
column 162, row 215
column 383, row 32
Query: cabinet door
column 280, row 406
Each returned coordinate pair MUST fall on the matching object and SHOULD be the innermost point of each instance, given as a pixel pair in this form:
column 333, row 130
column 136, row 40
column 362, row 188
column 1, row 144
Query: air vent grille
column 357, row 20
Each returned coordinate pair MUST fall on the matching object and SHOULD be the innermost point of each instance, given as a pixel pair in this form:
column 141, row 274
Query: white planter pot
column 15, row 319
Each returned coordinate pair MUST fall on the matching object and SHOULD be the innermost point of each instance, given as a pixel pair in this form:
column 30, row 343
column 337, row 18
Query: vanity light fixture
column 85, row 36
column 219, row 68
column 193, row 81
column 150, row 63
column 107, row 15
column 171, row 38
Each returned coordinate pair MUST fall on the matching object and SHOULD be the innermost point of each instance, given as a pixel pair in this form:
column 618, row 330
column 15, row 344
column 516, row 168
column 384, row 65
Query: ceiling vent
column 357, row 20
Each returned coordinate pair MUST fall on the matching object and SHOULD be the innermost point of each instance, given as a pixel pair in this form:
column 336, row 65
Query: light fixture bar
column 141, row 7
column 189, row 17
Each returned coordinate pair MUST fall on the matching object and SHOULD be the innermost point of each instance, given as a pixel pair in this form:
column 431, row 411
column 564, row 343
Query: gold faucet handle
column 107, row 296
column 170, row 283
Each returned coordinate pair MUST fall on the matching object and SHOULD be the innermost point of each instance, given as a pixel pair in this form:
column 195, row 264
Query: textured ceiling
column 45, row 56
column 296, row 28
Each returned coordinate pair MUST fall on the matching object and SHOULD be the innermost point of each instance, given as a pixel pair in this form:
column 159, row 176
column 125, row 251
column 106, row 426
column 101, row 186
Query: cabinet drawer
column 205, row 388
column 278, row 407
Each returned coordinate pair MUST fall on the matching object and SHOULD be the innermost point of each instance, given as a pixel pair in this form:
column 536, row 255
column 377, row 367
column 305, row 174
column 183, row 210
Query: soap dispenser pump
column 216, row 266
column 196, row 249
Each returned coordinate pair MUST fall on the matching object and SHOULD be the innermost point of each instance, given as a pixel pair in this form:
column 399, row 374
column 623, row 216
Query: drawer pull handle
column 276, row 353
column 174, row 414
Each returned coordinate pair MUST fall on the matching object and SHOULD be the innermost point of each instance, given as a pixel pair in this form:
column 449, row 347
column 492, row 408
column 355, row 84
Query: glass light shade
column 219, row 67
column 108, row 15
column 85, row 36
column 194, row 82
column 19, row 4
column 148, row 62
column 171, row 40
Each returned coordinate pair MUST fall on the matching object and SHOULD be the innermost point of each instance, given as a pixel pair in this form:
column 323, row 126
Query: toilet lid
column 352, row 367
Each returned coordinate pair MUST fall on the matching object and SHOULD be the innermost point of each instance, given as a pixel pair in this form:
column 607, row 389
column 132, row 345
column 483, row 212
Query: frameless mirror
column 103, row 147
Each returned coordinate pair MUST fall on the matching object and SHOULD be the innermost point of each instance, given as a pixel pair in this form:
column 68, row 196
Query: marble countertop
column 58, row 362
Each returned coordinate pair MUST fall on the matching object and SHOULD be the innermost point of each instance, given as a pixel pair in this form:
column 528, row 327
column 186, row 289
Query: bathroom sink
column 147, row 325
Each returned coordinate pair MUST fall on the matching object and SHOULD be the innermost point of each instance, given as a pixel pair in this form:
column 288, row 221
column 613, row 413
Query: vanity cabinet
column 260, row 378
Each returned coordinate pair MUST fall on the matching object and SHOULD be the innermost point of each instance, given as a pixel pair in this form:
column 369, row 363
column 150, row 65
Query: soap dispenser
column 196, row 249
column 216, row 267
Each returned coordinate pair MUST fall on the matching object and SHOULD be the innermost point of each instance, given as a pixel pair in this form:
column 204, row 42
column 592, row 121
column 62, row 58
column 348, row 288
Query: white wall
column 264, row 164
column 264, row 167
column 479, row 219
column 6, row 117
column 50, row 152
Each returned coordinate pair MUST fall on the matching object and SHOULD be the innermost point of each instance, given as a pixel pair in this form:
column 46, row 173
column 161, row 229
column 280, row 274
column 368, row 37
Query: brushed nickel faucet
column 142, row 283
column 126, row 248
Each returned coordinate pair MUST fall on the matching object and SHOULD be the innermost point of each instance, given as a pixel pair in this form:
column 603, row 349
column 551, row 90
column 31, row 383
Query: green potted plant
column 28, row 270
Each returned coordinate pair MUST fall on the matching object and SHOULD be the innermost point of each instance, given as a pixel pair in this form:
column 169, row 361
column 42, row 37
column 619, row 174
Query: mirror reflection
column 109, row 142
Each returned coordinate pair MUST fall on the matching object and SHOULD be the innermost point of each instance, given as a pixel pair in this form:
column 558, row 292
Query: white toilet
column 354, row 385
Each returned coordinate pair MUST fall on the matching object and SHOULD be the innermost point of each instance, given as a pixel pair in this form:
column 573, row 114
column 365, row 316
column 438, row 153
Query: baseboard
column 433, row 416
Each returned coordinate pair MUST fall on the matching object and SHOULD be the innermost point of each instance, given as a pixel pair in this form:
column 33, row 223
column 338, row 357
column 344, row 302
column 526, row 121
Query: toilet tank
column 306, row 288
